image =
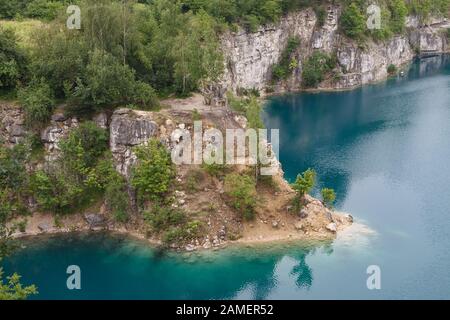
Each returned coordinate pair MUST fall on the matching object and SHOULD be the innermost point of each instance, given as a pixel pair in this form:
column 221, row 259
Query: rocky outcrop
column 429, row 40
column 59, row 127
column 12, row 124
column 128, row 129
column 250, row 57
column 361, row 66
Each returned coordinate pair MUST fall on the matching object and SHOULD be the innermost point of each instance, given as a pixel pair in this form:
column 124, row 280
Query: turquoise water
column 383, row 148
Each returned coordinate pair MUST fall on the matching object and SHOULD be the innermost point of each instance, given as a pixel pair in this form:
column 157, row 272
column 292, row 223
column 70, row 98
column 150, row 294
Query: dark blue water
column 384, row 149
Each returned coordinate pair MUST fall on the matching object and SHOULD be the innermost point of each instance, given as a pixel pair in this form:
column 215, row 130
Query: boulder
column 129, row 128
column 331, row 227
column 95, row 220
column 44, row 227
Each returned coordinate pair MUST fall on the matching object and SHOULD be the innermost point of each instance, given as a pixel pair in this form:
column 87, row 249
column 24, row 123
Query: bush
column 392, row 69
column 242, row 194
column 153, row 174
column 79, row 176
column 116, row 197
column 38, row 103
column 398, row 15
column 315, row 68
column 215, row 169
column 328, row 196
column 353, row 21
column 84, row 144
column 285, row 66
column 44, row 9
column 13, row 62
column 161, row 218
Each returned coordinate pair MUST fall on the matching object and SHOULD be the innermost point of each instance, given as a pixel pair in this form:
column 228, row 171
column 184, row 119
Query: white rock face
column 364, row 66
column 250, row 57
column 129, row 128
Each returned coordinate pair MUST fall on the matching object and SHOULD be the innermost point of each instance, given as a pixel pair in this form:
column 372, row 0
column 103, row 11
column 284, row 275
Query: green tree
column 198, row 60
column 13, row 289
column 107, row 82
column 153, row 174
column 353, row 21
column 398, row 15
column 13, row 62
column 304, row 182
column 328, row 196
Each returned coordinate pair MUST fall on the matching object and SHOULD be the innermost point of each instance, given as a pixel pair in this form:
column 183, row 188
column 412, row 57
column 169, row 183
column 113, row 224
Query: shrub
column 153, row 174
column 398, row 15
column 328, row 196
column 161, row 218
column 12, row 60
column 242, row 194
column 315, row 68
column 116, row 197
column 193, row 179
column 79, row 176
column 392, row 69
column 43, row 9
column 174, row 234
column 285, row 66
column 38, row 103
column 353, row 22
column 92, row 140
column 215, row 169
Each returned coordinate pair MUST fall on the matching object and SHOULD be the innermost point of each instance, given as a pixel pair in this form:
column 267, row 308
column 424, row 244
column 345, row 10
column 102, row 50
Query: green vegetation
column 353, row 21
column 287, row 63
column 38, row 103
column 13, row 185
column 79, row 176
column 315, row 68
column 153, row 174
column 248, row 106
column 13, row 289
column 13, row 62
column 392, row 69
column 42, row 9
column 116, row 197
column 173, row 223
column 161, row 218
column 304, row 182
column 328, row 196
column 241, row 191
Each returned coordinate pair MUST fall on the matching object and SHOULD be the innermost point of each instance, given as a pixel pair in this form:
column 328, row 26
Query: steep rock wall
column 250, row 57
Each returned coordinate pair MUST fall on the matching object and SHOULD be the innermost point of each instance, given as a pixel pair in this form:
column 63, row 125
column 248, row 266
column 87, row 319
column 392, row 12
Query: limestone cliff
column 250, row 57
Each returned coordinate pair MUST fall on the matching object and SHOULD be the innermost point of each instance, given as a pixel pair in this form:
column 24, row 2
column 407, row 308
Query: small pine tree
column 328, row 197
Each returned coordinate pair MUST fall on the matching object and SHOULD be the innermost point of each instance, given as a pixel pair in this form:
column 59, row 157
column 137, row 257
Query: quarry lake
column 384, row 148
